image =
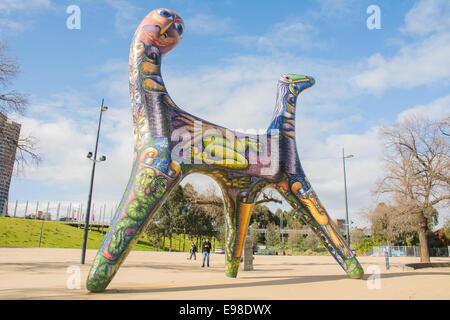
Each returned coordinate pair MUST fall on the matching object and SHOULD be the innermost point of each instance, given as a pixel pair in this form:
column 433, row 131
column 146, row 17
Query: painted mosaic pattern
column 170, row 143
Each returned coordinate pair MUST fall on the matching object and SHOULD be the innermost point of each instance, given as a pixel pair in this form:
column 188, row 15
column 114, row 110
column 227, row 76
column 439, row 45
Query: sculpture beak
column 164, row 29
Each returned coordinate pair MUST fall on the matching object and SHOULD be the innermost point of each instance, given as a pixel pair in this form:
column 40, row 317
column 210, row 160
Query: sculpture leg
column 315, row 215
column 146, row 192
column 238, row 216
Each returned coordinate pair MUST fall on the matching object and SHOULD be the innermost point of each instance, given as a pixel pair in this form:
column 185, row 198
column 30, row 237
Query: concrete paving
column 44, row 273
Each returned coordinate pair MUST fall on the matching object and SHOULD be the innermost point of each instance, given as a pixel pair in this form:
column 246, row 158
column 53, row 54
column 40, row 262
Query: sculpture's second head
column 297, row 83
column 161, row 28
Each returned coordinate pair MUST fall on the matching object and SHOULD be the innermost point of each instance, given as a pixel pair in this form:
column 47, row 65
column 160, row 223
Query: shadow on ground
column 276, row 282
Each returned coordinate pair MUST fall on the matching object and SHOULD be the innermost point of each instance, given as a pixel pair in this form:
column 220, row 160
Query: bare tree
column 14, row 102
column 417, row 171
column 394, row 224
column 211, row 198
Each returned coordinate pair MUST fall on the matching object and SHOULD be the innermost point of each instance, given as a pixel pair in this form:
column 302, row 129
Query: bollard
column 26, row 210
column 386, row 256
column 15, row 208
column 40, row 236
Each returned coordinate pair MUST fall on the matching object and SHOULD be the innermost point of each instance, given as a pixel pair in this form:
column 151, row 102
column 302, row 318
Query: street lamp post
column 347, row 221
column 94, row 161
column 281, row 227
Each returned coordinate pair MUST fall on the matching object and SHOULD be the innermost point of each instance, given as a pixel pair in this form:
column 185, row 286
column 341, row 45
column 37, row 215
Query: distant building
column 41, row 215
column 9, row 137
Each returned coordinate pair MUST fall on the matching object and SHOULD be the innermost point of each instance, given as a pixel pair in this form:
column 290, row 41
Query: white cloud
column 66, row 125
column 19, row 24
column 336, row 10
column 6, row 24
column 434, row 110
column 246, row 86
column 422, row 63
column 282, row 36
column 427, row 16
column 208, row 24
column 323, row 165
column 127, row 17
column 8, row 6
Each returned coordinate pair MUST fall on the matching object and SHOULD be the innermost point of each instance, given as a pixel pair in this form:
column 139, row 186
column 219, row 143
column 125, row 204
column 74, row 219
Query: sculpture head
column 297, row 83
column 144, row 179
column 161, row 28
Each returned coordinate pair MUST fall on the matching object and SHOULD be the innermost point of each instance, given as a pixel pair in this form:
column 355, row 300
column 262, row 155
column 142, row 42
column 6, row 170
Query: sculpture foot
column 232, row 267
column 101, row 273
column 354, row 269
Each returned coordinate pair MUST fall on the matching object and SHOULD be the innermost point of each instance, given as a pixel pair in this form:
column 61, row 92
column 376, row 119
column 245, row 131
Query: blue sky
column 225, row 70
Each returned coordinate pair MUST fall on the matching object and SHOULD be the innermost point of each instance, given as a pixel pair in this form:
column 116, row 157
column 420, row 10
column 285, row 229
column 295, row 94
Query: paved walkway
column 42, row 273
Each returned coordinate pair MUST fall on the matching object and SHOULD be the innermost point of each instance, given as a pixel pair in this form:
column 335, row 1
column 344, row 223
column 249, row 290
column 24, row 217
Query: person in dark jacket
column 206, row 249
column 192, row 251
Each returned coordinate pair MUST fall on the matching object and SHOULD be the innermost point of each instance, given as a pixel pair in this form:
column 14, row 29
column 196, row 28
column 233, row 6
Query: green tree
column 446, row 228
column 272, row 234
column 154, row 234
column 170, row 214
column 264, row 216
column 295, row 239
column 366, row 245
column 311, row 241
column 357, row 236
column 395, row 224
column 203, row 213
column 254, row 234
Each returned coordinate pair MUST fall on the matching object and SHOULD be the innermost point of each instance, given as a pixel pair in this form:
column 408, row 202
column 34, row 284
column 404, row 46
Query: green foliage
column 263, row 216
column 356, row 237
column 169, row 217
column 446, row 228
column 311, row 242
column 254, row 234
column 295, row 241
column 367, row 244
column 272, row 234
column 395, row 223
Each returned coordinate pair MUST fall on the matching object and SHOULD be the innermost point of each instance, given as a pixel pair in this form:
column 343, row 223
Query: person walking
column 206, row 248
column 192, row 251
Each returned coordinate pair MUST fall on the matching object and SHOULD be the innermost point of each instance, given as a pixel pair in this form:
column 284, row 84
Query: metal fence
column 407, row 251
column 61, row 211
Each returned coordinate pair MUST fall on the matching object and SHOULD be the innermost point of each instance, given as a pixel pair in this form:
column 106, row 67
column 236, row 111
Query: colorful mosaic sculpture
column 171, row 143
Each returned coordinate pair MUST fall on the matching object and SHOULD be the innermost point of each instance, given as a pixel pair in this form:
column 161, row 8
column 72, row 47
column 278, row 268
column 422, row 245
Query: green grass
column 15, row 232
